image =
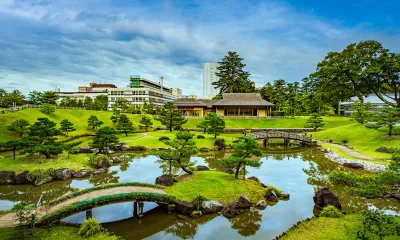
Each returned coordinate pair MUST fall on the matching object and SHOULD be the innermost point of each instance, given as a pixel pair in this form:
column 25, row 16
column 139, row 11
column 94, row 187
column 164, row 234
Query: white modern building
column 209, row 77
column 376, row 104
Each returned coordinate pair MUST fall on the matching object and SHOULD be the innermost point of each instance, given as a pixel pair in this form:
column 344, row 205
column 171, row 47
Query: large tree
column 232, row 77
column 94, row 122
column 125, row 125
column 216, row 124
column 49, row 97
column 315, row 121
column 19, row 127
column 105, row 137
column 66, row 126
column 145, row 123
column 170, row 116
column 14, row 145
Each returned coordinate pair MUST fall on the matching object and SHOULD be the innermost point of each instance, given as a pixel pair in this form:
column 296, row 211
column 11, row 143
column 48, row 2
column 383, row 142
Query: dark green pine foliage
column 69, row 146
column 145, row 123
column 105, row 137
column 116, row 115
column 361, row 112
column 171, row 117
column 19, row 127
column 387, row 117
column 204, row 125
column 243, row 150
column 216, row 124
column 125, row 125
column 94, row 122
column 14, row 145
column 232, row 77
column 66, row 126
column 315, row 121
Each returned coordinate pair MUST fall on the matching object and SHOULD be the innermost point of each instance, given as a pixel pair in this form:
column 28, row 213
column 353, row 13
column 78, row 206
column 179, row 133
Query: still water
column 298, row 171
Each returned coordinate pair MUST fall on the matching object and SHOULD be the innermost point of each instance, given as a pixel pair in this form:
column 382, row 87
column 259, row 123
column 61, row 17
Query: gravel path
column 350, row 152
column 10, row 219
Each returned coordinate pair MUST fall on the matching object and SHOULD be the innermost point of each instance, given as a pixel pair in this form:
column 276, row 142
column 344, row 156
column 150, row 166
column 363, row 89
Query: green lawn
column 325, row 228
column 53, row 233
column 362, row 139
column 217, row 186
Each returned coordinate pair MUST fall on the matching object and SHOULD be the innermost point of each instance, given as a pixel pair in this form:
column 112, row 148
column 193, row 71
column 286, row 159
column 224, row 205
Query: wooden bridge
column 286, row 136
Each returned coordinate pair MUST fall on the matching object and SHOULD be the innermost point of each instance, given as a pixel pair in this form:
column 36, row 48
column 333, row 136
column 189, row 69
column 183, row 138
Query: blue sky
column 65, row 43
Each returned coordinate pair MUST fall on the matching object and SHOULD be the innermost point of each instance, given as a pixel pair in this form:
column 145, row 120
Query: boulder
column 353, row 165
column 163, row 138
column 382, row 149
column 125, row 148
column 229, row 211
column 42, row 181
column 115, row 159
column 185, row 208
column 203, row 149
column 324, row 197
column 200, row 137
column 165, row 180
column 220, row 143
column 102, row 162
column 6, row 177
column 139, row 148
column 262, row 204
column 285, row 195
column 209, row 207
column 243, row 202
column 98, row 171
column 202, row 168
column 271, row 196
column 62, row 174
column 82, row 173
column 85, row 149
column 228, row 170
column 254, row 178
column 22, row 178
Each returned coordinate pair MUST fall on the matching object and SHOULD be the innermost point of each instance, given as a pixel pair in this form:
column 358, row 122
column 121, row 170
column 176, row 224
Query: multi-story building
column 376, row 104
column 209, row 77
column 177, row 92
column 94, row 90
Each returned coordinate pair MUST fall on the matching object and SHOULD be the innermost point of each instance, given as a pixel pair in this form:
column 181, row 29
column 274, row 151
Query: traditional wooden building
column 240, row 105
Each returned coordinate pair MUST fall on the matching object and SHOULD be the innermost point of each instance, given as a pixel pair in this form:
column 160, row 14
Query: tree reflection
column 185, row 230
column 247, row 223
column 104, row 178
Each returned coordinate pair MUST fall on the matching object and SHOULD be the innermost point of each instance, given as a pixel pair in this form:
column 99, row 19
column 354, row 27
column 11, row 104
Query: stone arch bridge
column 286, row 136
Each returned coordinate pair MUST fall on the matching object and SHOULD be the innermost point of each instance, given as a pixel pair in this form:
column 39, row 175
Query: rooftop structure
column 375, row 101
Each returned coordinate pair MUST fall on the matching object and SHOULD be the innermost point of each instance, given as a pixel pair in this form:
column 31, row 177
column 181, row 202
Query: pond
column 298, row 170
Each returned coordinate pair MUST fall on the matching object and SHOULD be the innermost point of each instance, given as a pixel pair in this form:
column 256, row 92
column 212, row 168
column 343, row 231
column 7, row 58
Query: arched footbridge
column 87, row 199
column 286, row 136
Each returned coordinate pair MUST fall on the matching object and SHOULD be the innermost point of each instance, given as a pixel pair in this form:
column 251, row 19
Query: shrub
column 395, row 164
column 345, row 141
column 89, row 228
column 40, row 174
column 198, row 201
column 93, row 161
column 331, row 212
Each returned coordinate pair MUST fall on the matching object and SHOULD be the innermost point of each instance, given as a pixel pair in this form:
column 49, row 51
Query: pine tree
column 145, row 122
column 66, row 126
column 232, row 78
column 94, row 122
column 125, row 124
column 315, row 121
column 19, row 127
column 12, row 144
column 387, row 117
column 216, row 124
column 171, row 117
column 105, row 136
column 361, row 111
column 116, row 115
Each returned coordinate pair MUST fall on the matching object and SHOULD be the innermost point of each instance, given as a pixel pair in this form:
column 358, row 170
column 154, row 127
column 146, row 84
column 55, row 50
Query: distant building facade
column 375, row 101
column 209, row 77
column 177, row 92
column 92, row 91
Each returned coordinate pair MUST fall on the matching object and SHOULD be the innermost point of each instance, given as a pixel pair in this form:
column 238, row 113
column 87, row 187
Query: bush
column 395, row 164
column 198, row 201
column 40, row 174
column 331, row 212
column 345, row 141
column 89, row 228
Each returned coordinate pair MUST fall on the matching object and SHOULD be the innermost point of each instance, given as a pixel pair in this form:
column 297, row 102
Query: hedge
column 104, row 200
column 105, row 186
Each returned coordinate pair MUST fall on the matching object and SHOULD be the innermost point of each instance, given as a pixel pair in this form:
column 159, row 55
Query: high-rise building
column 177, row 92
column 209, row 77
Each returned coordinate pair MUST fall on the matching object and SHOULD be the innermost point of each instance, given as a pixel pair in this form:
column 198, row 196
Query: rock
column 184, row 208
column 202, row 168
column 115, row 159
column 243, row 202
column 139, row 148
column 6, row 177
column 163, row 138
column 285, row 195
column 228, row 170
column 121, row 146
column 102, row 162
column 203, row 149
column 229, row 211
column 85, row 149
column 125, row 148
column 165, row 180
column 81, row 173
column 325, row 197
column 353, row 165
column 209, row 207
column 43, row 181
column 196, row 214
column 382, row 149
column 200, row 137
column 62, row 174
column 254, row 178
column 98, row 171
column 262, row 204
column 22, row 178
column 271, row 195
column 220, row 143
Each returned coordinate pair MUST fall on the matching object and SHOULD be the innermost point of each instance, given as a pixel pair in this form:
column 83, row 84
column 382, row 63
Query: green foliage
column 90, row 227
column 67, row 126
column 105, row 136
column 198, row 201
column 232, row 78
column 25, row 217
column 125, row 125
column 395, row 163
column 387, row 117
column 19, row 127
column 361, row 111
column 145, row 122
column 244, row 149
column 277, row 190
column 48, row 97
column 216, row 124
column 15, row 97
column 40, row 174
column 116, row 114
column 148, row 107
column 13, row 144
column 170, row 116
column 122, row 104
column 94, row 122
column 93, row 161
column 331, row 212
column 315, row 121
column 375, row 224
column 204, row 125
column 47, row 108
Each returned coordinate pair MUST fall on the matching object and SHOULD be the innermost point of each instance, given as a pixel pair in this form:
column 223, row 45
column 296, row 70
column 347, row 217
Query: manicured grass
column 53, row 233
column 217, row 186
column 325, row 228
column 362, row 139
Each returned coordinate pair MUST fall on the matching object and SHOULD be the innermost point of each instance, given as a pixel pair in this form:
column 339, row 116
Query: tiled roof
column 185, row 102
column 208, row 102
column 242, row 99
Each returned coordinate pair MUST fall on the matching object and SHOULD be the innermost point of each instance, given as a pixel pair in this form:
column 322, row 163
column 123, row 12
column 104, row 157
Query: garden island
column 316, row 159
